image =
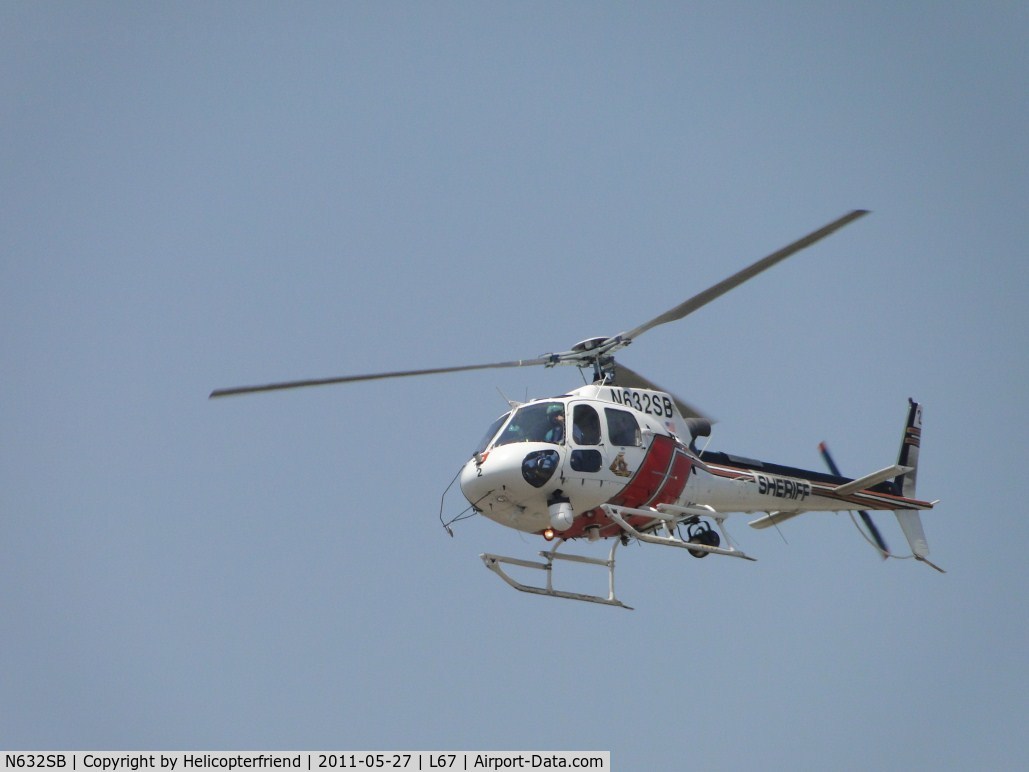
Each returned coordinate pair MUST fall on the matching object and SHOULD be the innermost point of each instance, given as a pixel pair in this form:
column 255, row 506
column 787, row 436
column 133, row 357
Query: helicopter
column 618, row 459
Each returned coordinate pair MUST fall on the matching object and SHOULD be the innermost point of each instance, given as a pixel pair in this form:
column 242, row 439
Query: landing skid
column 665, row 517
column 495, row 562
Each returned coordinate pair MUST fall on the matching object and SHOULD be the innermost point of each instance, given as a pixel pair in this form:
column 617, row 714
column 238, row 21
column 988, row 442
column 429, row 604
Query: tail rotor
column 876, row 538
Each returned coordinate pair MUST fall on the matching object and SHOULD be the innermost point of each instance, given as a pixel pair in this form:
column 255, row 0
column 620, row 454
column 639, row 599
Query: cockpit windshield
column 490, row 434
column 539, row 422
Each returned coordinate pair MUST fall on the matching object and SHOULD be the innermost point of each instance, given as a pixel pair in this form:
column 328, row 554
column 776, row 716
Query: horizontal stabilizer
column 870, row 479
column 772, row 518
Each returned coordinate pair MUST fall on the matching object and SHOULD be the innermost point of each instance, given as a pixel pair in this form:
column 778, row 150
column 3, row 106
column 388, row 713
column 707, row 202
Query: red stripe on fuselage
column 660, row 479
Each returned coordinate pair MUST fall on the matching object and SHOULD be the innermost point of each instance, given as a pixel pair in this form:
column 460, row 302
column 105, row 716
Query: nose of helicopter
column 511, row 484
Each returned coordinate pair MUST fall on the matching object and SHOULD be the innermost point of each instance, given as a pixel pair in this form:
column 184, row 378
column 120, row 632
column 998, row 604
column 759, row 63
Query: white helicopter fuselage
column 629, row 448
column 520, row 471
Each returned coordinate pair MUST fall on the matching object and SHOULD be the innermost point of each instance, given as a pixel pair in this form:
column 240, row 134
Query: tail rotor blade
column 867, row 518
column 876, row 536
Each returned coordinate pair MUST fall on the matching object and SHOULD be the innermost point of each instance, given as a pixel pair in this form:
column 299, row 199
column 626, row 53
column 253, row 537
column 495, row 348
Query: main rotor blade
column 625, row 376
column 375, row 377
column 705, row 297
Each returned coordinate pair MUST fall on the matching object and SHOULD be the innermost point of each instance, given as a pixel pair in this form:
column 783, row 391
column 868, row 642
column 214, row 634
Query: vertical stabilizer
column 909, row 519
column 911, row 525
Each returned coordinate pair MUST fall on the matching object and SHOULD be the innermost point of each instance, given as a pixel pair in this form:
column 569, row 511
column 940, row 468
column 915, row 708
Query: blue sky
column 202, row 195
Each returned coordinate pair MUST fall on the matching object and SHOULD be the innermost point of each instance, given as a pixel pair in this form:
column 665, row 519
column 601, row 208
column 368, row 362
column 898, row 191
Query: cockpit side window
column 585, row 425
column 490, row 434
column 540, row 422
column 622, row 428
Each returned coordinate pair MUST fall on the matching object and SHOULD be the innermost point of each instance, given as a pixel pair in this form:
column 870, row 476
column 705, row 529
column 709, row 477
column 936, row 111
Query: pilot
column 556, row 418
